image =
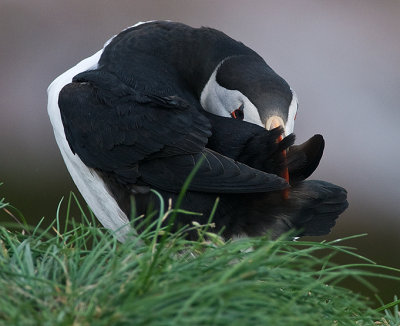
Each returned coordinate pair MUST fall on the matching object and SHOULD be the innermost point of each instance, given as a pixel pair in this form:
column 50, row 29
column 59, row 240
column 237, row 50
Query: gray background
column 341, row 57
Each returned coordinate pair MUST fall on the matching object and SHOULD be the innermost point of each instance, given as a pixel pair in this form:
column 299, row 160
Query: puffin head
column 244, row 87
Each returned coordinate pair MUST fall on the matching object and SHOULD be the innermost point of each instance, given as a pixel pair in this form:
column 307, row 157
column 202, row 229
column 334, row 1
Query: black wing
column 217, row 174
column 147, row 138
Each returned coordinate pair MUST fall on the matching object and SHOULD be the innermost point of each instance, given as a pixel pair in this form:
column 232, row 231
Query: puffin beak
column 274, row 122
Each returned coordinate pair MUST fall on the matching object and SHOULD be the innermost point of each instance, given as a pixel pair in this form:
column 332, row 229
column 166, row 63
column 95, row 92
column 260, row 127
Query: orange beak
column 274, row 122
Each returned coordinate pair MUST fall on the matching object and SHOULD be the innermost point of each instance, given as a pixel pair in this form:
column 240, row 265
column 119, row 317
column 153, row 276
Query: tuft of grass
column 79, row 274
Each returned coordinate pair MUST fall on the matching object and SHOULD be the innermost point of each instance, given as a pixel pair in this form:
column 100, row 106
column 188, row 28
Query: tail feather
column 311, row 208
column 320, row 203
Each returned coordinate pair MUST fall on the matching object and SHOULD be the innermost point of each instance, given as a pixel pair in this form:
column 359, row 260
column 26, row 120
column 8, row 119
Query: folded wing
column 149, row 139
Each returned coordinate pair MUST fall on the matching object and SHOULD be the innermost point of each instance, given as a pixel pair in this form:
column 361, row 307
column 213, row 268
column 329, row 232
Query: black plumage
column 137, row 121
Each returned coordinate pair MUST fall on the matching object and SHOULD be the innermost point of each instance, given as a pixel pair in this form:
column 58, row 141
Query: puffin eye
column 238, row 113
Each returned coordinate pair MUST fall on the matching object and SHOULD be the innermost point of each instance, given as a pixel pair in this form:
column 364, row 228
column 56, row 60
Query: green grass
column 79, row 274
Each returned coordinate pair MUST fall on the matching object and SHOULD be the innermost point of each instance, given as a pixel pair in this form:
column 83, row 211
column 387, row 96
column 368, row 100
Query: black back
column 186, row 56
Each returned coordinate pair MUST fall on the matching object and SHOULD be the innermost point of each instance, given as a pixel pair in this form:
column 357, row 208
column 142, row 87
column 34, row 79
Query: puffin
column 162, row 101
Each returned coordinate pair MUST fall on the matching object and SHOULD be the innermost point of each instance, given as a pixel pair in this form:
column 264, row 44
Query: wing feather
column 217, row 174
column 113, row 128
column 149, row 139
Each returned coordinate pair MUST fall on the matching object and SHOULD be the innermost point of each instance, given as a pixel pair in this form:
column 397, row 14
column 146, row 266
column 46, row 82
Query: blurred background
column 341, row 57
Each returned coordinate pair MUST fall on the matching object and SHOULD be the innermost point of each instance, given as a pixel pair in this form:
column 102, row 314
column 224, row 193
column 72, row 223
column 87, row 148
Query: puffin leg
column 272, row 123
column 285, row 171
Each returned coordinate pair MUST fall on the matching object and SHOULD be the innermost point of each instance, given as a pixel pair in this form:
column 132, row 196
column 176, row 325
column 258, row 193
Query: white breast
column 89, row 183
column 292, row 114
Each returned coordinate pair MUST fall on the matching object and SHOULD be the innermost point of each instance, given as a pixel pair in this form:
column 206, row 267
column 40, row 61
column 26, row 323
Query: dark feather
column 151, row 139
column 114, row 133
column 217, row 174
column 312, row 209
column 304, row 159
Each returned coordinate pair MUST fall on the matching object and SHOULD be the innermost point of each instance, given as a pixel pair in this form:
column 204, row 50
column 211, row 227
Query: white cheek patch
column 222, row 101
column 216, row 99
column 251, row 113
column 292, row 114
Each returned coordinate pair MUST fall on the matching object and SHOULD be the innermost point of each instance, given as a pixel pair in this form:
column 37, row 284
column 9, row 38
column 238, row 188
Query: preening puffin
column 160, row 96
